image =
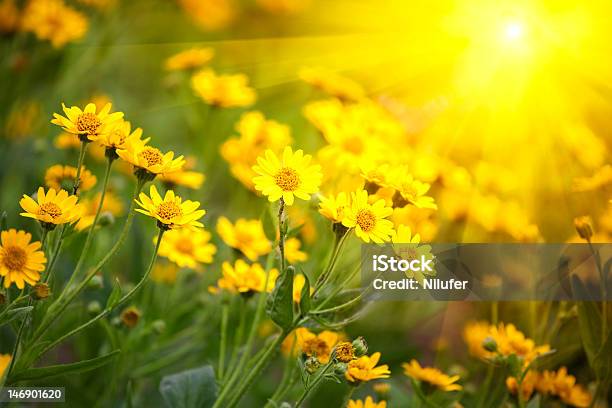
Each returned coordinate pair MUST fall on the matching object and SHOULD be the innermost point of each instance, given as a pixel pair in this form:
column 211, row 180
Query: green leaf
column 305, row 300
column 195, row 388
column 15, row 314
column 515, row 365
column 63, row 369
column 280, row 302
column 603, row 361
column 589, row 320
column 269, row 223
column 115, row 295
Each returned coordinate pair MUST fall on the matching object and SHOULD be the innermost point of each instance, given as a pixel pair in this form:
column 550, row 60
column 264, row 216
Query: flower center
column 14, row 258
column 316, row 346
column 345, row 352
column 50, row 209
column 287, row 179
column 88, row 123
column 184, row 246
column 151, row 155
column 168, row 210
column 366, row 220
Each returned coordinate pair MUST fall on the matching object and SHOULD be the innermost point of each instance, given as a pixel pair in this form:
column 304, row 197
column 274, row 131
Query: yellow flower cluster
column 431, row 376
column 62, row 177
column 553, row 383
column 226, row 91
column 54, row 21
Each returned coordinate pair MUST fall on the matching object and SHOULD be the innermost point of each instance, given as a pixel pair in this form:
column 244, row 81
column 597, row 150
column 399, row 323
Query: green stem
column 315, row 382
column 223, row 341
column 77, row 178
column 286, row 382
column 239, row 337
column 281, row 237
column 110, row 308
column 337, row 247
column 348, row 396
column 604, row 288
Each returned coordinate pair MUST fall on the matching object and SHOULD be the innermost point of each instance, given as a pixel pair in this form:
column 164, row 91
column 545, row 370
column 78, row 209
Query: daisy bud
column 159, row 326
column 96, row 282
column 130, row 316
column 40, row 291
column 340, row 369
column 106, row 218
column 311, row 365
column 489, row 344
column 360, row 346
column 93, row 308
column 584, row 227
column 345, row 352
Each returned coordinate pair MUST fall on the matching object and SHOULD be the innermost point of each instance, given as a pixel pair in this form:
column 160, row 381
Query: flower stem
column 348, row 396
column 77, row 178
column 337, row 247
column 281, row 236
column 604, row 288
column 223, row 341
column 313, row 384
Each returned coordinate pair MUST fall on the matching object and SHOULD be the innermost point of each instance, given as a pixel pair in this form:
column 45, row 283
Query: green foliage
column 194, row 388
column 280, row 302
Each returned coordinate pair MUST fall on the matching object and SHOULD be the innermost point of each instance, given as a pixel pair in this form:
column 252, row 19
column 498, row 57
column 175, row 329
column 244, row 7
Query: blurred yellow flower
column 170, row 212
column 332, row 83
column 20, row 121
column 20, row 260
column 564, row 386
column 256, row 134
column 86, row 123
column 334, row 207
column 5, row 360
column 164, row 272
column 148, row 158
column 9, row 22
column 247, row 236
column 102, row 5
column 291, row 176
column 67, row 140
column 245, row 278
column 53, row 20
column 117, row 135
column 56, row 207
column 302, row 340
column 367, row 403
column 364, row 369
column 407, row 246
column 527, row 386
column 62, row 177
column 298, row 284
column 226, row 91
column 185, row 178
column 189, row 59
column 368, row 220
column 283, row 6
column 210, row 15
column 292, row 251
column 410, row 191
column 111, row 205
column 432, row 376
column 601, row 178
column 188, row 248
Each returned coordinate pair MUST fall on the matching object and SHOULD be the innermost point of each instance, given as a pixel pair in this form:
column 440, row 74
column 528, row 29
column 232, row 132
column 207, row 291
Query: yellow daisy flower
column 53, row 208
column 564, row 386
column 226, row 91
column 67, row 140
column 247, row 236
column 209, row 15
column 188, row 248
column 293, row 253
column 20, row 260
column 148, row 158
column 59, row 176
column 170, row 212
column 189, row 59
column 527, row 385
column 5, row 360
column 369, row 220
column 118, row 134
column 53, row 20
column 332, row 83
column 164, row 272
column 368, row 403
column 292, row 176
column 185, row 178
column 244, row 278
column 334, row 207
column 432, row 376
column 111, row 205
column 86, row 123
column 302, row 340
column 406, row 246
column 364, row 369
column 411, row 191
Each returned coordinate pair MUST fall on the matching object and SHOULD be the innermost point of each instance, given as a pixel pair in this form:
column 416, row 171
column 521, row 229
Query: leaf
column 63, row 369
column 515, row 365
column 268, row 223
column 115, row 295
column 15, row 314
column 305, row 300
column 603, row 360
column 280, row 302
column 589, row 320
column 195, row 388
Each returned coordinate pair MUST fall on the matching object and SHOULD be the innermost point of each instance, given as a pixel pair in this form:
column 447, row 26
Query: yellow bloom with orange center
column 5, row 360
column 289, row 177
column 20, row 261
column 364, row 369
column 171, row 211
column 59, row 176
column 247, row 236
column 53, row 208
column 334, row 207
column 148, row 158
column 118, row 134
column 226, row 91
column 244, row 278
column 432, row 376
column 188, row 248
column 410, row 191
column 292, row 251
column 189, row 59
column 332, row 83
column 368, row 220
column 111, row 205
column 302, row 340
column 564, row 386
column 53, row 20
column 367, row 403
column 87, row 123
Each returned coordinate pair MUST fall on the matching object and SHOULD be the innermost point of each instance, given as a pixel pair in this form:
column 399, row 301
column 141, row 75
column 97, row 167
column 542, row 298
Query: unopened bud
column 96, row 282
column 584, row 227
column 360, row 346
column 489, row 344
column 41, row 291
column 94, row 307
column 106, row 218
column 340, row 369
column 159, row 326
column 311, row 365
column 130, row 316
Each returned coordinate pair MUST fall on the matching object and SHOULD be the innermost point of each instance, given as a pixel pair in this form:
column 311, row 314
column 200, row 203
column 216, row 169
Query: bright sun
column 513, row 30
